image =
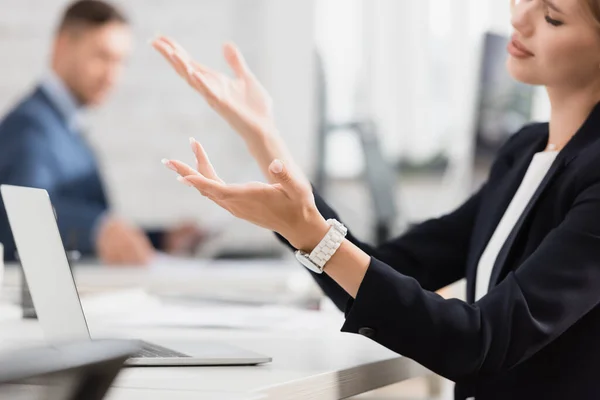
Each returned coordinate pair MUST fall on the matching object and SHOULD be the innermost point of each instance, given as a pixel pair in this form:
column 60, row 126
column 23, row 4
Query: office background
column 394, row 61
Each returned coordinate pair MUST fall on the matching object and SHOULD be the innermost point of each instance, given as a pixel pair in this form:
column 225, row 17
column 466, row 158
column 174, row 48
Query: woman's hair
column 592, row 11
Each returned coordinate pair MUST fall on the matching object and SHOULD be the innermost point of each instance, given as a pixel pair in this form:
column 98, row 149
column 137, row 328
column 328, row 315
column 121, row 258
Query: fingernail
column 192, row 142
column 277, row 166
column 168, row 164
column 184, row 181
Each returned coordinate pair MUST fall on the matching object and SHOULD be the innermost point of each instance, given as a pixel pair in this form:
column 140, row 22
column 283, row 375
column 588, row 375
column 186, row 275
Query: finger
column 169, row 47
column 203, row 164
column 174, row 45
column 208, row 187
column 203, row 68
column 162, row 47
column 173, row 48
column 199, row 81
column 183, row 66
column 175, row 55
column 236, row 60
column 185, row 181
column 167, row 52
column 196, row 78
column 180, row 167
column 283, row 176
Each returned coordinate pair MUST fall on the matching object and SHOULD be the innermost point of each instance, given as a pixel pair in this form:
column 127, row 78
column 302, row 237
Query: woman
column 528, row 241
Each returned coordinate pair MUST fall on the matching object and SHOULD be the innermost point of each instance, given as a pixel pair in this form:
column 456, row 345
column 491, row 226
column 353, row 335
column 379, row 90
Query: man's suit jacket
column 536, row 334
column 38, row 149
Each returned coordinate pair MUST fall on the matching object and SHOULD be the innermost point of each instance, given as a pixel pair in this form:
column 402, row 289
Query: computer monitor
column 378, row 174
column 504, row 104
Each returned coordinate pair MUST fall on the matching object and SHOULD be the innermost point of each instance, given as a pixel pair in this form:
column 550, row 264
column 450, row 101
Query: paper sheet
column 135, row 308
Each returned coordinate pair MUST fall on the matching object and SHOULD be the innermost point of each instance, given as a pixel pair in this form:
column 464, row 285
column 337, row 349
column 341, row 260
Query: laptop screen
column 45, row 264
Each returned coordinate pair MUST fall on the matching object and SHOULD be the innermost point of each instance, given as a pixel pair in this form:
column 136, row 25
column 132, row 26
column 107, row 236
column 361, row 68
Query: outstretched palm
column 242, row 101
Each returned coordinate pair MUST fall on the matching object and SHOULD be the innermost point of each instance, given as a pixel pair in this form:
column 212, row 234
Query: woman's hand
column 286, row 206
column 242, row 101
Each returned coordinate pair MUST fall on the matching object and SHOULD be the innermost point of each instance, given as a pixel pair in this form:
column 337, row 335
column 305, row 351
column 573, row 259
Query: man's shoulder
column 31, row 113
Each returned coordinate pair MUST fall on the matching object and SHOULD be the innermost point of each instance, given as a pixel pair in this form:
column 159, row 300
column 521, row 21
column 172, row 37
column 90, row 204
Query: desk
column 116, row 393
column 307, row 364
column 281, row 281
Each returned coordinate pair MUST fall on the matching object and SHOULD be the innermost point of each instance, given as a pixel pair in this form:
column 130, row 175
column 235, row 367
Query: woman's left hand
column 242, row 101
column 286, row 206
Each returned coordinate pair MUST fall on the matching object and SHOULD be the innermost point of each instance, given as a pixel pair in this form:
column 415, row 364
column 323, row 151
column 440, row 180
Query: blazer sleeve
column 32, row 167
column 555, row 287
column 433, row 252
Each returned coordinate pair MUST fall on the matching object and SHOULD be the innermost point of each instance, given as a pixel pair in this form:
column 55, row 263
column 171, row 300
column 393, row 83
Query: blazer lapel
column 587, row 134
column 508, row 244
column 499, row 198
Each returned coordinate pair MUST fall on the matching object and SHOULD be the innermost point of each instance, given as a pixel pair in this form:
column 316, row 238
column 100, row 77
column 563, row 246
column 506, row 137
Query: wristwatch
column 316, row 260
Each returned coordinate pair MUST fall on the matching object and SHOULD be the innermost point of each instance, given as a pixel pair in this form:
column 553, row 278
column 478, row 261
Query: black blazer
column 536, row 334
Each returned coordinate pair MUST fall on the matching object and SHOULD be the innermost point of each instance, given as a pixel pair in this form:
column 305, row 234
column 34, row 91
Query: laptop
column 71, row 371
column 55, row 297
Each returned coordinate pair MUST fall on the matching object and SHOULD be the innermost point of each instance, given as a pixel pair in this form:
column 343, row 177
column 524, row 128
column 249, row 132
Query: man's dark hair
column 90, row 14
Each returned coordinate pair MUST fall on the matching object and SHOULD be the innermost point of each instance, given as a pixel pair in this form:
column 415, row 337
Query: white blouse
column 540, row 164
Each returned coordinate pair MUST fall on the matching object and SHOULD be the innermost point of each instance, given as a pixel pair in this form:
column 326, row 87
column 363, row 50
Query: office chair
column 379, row 174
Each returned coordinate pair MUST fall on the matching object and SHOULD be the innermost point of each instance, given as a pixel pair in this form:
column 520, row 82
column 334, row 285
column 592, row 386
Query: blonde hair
column 592, row 11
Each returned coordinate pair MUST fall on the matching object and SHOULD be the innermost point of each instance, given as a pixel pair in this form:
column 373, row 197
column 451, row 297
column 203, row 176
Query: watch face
column 304, row 260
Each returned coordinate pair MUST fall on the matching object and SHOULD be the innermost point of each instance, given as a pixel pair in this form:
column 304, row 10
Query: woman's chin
column 522, row 72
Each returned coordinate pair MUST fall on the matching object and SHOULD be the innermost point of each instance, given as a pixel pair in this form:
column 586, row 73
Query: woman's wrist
column 265, row 141
column 267, row 145
column 258, row 134
column 308, row 235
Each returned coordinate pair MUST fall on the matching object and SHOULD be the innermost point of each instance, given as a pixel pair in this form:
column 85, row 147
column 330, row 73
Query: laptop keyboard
column 154, row 350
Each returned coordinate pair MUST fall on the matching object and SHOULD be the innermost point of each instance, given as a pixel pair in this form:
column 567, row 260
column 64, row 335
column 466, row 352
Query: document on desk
column 144, row 310
column 218, row 317
column 261, row 281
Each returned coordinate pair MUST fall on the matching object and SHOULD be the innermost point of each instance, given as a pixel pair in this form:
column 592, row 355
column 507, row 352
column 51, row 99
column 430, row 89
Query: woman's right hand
column 242, row 101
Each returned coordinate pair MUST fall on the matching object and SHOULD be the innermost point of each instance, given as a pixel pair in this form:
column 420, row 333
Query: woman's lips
column 518, row 50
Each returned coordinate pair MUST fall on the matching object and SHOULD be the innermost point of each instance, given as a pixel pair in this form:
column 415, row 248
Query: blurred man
column 41, row 143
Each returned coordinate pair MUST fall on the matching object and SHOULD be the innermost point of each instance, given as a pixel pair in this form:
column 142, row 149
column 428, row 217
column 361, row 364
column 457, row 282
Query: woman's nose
column 521, row 16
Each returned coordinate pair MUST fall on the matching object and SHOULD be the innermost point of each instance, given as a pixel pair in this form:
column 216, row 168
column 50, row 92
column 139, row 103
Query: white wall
column 152, row 114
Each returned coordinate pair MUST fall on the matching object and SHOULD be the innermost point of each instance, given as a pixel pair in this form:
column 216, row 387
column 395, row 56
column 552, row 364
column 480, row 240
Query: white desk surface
column 151, row 394
column 318, row 362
